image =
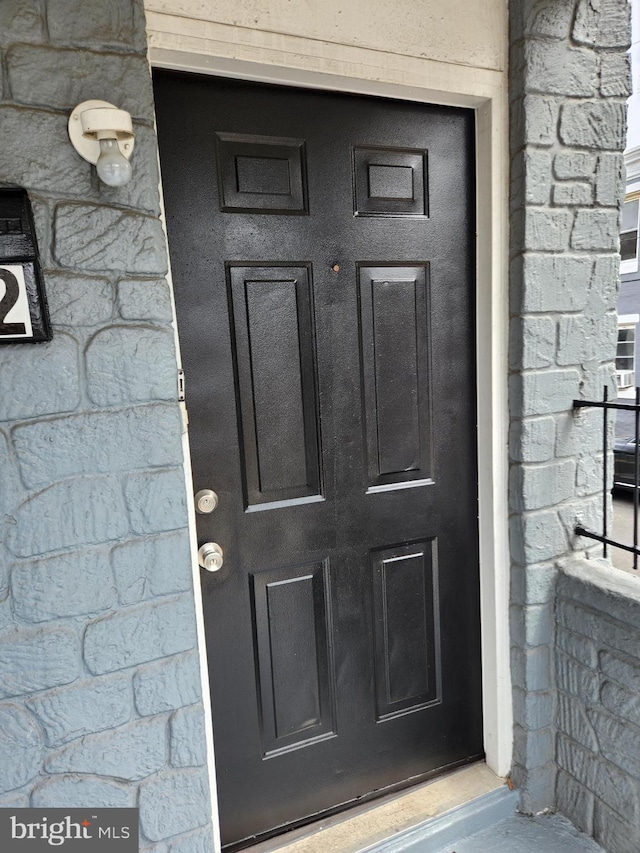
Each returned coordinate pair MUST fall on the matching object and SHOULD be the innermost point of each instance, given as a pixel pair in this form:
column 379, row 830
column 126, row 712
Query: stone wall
column 569, row 78
column 598, row 675
column 100, row 699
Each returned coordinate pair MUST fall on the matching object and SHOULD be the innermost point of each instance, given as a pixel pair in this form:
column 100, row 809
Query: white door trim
column 204, row 47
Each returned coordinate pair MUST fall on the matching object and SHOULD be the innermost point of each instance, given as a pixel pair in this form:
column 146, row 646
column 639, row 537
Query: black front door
column 323, row 256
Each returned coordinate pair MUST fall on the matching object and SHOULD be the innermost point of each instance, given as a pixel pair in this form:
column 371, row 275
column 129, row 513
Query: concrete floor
column 372, row 824
column 520, row 834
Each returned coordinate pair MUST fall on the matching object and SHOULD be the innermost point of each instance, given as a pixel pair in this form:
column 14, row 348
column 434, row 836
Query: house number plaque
column 23, row 306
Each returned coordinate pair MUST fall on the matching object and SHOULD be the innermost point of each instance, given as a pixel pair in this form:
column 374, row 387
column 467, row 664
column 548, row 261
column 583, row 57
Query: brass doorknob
column 210, row 556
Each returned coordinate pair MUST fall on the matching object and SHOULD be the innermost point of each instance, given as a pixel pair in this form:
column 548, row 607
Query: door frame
column 182, row 44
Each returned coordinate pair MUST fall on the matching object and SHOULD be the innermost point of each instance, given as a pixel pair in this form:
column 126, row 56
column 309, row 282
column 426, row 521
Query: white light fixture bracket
column 92, row 121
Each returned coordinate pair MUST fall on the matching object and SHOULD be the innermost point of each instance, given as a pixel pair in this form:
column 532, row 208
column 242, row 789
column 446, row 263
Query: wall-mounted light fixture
column 103, row 134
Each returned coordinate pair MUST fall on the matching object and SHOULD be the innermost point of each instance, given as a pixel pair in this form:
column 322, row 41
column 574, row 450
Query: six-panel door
column 323, row 256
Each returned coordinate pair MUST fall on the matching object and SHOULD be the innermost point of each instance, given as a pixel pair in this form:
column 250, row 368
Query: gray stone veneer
column 598, row 676
column 568, row 83
column 100, row 699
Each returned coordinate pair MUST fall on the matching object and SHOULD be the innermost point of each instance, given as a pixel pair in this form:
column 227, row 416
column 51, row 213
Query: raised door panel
column 407, row 642
column 275, row 372
column 261, row 174
column 394, row 346
column 390, row 182
column 294, row 656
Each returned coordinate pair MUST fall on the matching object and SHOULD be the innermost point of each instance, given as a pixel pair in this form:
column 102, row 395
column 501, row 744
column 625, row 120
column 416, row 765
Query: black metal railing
column 607, row 406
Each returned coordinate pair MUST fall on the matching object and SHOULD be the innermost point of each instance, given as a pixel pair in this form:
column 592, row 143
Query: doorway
column 322, row 248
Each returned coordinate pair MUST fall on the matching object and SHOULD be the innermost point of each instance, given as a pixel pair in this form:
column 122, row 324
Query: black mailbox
column 23, row 305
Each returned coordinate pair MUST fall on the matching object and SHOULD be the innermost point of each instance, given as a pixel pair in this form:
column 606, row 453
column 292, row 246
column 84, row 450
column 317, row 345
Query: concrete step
column 524, row 834
column 432, row 836
column 371, row 825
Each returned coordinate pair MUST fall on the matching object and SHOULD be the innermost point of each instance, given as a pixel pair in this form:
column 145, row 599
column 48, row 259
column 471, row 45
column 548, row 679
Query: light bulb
column 112, row 167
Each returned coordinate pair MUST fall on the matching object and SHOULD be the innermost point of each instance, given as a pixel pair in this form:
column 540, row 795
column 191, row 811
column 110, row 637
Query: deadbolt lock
column 206, row 501
column 210, row 556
